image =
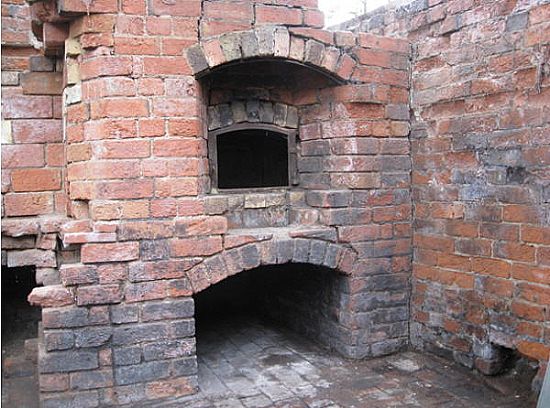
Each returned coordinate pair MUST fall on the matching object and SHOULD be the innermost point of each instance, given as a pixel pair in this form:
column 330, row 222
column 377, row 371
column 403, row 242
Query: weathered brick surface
column 479, row 155
column 149, row 232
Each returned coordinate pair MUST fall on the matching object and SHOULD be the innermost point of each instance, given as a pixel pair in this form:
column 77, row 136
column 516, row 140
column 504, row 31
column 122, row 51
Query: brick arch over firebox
column 271, row 252
column 269, row 42
column 252, row 111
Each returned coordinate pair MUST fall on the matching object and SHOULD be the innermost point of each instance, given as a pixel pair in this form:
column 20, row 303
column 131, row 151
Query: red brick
column 173, row 107
column 359, row 233
column 390, row 44
column 112, row 86
column 110, row 129
column 176, row 147
column 54, row 382
column 195, row 246
column 434, row 242
column 184, row 127
column 522, row 213
column 177, row 387
column 493, row 267
column 42, row 83
column 151, row 127
column 22, row 107
column 113, row 190
column 211, row 28
column 106, row 66
column 225, row 10
column 535, row 293
column 535, row 274
column 121, row 107
column 78, row 152
column 314, row 18
column 175, row 46
column 533, row 350
column 78, row 113
column 36, row 180
column 130, row 25
column 55, row 154
column 536, row 235
column 133, row 6
column 499, row 287
column 121, row 149
column 134, row 230
column 503, row 232
column 82, row 6
column 111, row 273
column 166, row 66
column 28, row 204
column 150, row 86
column 278, row 15
column 176, row 187
column 116, row 252
column 460, row 228
column 115, row 210
column 98, row 295
column 159, row 25
column 189, row 207
column 164, row 207
column 201, row 226
column 186, row 8
column 137, row 46
column 95, row 40
column 37, row 131
column 137, row 292
column 103, row 170
column 50, row 296
column 528, row 311
column 455, row 262
column 394, row 213
column 77, row 274
column 15, row 156
column 515, row 251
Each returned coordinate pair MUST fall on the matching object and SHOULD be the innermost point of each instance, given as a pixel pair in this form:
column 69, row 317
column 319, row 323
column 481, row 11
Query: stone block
column 87, row 380
column 66, row 361
column 137, row 333
column 169, row 349
column 127, row 355
column 92, row 336
column 173, row 309
column 143, row 372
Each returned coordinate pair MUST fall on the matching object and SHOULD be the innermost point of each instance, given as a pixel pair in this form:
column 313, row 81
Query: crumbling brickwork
column 480, row 151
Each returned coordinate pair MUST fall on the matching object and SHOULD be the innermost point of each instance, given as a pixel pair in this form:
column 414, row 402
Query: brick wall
column 480, row 150
column 145, row 232
column 33, row 196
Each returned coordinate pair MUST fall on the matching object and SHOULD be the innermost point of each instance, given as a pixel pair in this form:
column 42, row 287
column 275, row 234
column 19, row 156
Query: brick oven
column 202, row 139
column 156, row 151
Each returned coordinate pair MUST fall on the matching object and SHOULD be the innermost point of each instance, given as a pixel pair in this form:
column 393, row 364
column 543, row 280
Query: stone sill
column 287, row 232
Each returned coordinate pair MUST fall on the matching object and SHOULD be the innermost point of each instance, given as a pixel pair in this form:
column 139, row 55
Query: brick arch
column 272, row 42
column 252, row 111
column 273, row 252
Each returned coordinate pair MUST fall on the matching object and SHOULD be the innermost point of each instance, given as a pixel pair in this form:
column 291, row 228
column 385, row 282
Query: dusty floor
column 246, row 363
column 249, row 364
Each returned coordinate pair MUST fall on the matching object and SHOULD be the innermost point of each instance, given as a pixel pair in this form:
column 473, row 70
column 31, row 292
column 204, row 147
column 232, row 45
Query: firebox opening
column 252, row 159
column 300, row 297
